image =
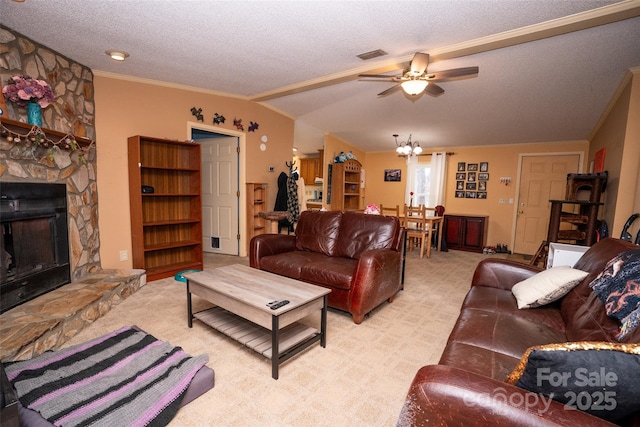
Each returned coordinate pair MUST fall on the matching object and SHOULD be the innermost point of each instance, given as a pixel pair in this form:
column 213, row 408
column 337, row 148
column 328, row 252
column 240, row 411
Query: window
column 422, row 183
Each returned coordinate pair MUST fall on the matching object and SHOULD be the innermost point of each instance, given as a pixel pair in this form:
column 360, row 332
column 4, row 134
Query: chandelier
column 407, row 148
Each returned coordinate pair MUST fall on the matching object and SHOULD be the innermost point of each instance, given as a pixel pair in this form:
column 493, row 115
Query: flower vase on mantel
column 34, row 114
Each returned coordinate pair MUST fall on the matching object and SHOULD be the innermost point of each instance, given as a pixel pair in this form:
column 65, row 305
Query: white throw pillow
column 547, row 286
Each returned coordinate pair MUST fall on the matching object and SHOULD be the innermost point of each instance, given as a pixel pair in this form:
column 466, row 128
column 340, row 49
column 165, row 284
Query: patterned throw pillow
column 600, row 378
column 618, row 286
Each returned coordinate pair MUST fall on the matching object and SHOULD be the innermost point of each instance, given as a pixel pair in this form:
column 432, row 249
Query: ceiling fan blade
column 376, row 76
column 434, row 89
column 454, row 73
column 419, row 63
column 389, row 91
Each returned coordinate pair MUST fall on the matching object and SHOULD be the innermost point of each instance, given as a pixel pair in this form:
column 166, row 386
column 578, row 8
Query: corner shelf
column 256, row 203
column 345, row 185
column 166, row 225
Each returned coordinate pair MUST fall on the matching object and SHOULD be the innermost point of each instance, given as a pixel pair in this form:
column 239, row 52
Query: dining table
column 434, row 223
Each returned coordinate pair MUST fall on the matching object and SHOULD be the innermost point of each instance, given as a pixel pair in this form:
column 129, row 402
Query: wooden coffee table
column 241, row 295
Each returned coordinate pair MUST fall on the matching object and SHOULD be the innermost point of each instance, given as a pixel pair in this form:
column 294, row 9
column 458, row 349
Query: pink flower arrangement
column 24, row 89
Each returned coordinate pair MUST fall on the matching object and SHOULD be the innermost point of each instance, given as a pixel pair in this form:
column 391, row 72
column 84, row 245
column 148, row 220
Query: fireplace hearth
column 34, row 248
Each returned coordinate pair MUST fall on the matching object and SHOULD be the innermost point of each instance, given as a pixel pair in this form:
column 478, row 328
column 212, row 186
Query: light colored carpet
column 360, row 379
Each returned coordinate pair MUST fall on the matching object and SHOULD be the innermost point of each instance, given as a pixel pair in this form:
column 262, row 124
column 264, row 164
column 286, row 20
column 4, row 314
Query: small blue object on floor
column 180, row 276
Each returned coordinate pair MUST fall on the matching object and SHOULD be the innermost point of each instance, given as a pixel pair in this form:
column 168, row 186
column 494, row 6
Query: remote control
column 274, row 305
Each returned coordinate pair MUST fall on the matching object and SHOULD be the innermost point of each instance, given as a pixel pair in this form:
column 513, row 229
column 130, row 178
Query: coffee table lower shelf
column 291, row 339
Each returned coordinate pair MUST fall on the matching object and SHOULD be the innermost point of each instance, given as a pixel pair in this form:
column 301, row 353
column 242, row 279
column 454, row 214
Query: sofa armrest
column 444, row 395
column 377, row 278
column 264, row 245
column 501, row 273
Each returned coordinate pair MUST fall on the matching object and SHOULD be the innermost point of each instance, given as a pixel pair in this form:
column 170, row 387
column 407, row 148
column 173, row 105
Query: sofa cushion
column 502, row 333
column 480, row 361
column 334, row 272
column 380, row 232
column 547, row 286
column 317, row 231
column 590, row 376
column 289, row 264
column 502, row 301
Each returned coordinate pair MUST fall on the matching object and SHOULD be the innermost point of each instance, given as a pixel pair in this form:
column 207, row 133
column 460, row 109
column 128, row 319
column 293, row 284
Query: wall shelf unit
column 345, row 185
column 256, row 203
column 166, row 224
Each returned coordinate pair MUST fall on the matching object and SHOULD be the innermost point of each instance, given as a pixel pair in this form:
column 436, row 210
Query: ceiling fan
column 415, row 79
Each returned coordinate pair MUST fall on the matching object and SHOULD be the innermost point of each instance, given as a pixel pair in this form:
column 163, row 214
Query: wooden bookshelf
column 166, row 224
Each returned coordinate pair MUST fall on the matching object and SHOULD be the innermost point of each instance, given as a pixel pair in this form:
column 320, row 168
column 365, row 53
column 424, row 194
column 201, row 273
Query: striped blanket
column 125, row 378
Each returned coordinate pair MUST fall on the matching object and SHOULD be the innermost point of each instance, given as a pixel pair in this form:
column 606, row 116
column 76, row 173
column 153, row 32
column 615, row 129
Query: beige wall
column 125, row 108
column 619, row 135
column 503, row 162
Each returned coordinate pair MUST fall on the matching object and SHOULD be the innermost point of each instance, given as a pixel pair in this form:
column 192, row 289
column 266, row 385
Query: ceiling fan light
column 414, row 87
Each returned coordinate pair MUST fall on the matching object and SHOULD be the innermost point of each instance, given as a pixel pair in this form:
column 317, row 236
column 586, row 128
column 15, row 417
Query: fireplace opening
column 34, row 248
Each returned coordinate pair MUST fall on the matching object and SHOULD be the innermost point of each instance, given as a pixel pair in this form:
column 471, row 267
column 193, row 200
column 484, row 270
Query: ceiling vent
column 373, row 54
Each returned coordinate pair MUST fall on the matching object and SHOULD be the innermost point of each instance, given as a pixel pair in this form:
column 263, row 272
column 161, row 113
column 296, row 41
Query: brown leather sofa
column 355, row 255
column 489, row 339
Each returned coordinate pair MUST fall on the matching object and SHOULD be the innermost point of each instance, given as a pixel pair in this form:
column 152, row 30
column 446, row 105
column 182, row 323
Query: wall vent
column 372, row 54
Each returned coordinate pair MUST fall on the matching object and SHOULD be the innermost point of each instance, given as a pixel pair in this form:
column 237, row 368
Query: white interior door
column 220, row 232
column 542, row 178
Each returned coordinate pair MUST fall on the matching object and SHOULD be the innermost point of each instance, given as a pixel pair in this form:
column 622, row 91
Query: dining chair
column 390, row 211
column 416, row 227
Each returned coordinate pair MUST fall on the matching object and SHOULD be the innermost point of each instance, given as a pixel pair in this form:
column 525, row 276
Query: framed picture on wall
column 393, row 175
column 484, row 166
column 472, row 167
column 470, row 195
column 459, row 185
column 462, row 166
column 482, row 185
column 461, row 176
column 483, row 177
column 460, row 194
column 471, row 176
column 470, row 186
column 482, row 194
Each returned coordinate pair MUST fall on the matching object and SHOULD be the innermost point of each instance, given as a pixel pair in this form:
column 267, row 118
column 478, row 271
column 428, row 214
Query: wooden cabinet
column 256, row 203
column 345, row 185
column 166, row 206
column 465, row 232
column 311, row 168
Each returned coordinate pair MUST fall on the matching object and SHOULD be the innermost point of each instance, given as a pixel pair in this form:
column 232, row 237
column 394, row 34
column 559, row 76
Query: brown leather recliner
column 357, row 256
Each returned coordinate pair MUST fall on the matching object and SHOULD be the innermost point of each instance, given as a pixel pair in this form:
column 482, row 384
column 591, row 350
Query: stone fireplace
column 62, row 153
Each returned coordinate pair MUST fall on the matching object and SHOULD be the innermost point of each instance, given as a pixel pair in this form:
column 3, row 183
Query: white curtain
column 438, row 174
column 412, row 164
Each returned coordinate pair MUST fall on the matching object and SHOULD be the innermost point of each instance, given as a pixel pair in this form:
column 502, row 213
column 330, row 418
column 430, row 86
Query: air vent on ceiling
column 373, row 54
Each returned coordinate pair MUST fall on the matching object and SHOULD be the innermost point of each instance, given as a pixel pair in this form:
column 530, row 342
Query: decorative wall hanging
column 218, row 119
column 197, row 112
column 393, row 175
column 238, row 124
column 253, row 126
column 471, row 180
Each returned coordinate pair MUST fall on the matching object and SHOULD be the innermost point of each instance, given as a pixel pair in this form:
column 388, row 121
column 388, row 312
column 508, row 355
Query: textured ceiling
column 300, row 58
